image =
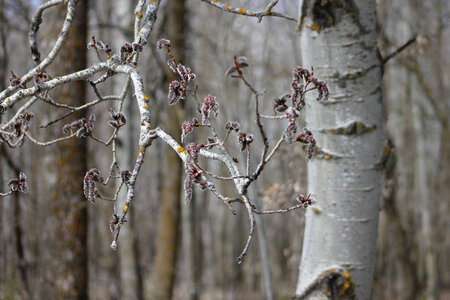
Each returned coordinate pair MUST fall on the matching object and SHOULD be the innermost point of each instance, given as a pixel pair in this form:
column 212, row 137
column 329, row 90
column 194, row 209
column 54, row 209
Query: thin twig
column 75, row 109
column 6, row 194
column 277, row 211
column 108, row 142
column 49, row 142
column 273, row 117
column 385, row 59
column 275, row 149
column 252, row 228
column 257, row 14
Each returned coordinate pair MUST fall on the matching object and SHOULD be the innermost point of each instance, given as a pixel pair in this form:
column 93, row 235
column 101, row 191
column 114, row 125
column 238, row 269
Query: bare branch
column 6, row 194
column 278, row 211
column 48, row 85
column 257, row 14
column 385, row 59
column 49, row 142
column 251, row 218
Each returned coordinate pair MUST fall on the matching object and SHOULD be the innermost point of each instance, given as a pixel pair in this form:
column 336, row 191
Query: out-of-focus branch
column 34, row 27
column 385, row 59
column 257, row 14
column 52, row 54
column 5, row 194
column 78, row 108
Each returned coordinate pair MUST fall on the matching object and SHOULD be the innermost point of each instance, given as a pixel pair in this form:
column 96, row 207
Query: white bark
column 341, row 230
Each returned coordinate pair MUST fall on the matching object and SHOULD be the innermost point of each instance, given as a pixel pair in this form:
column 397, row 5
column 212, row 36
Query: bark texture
column 338, row 38
column 69, row 207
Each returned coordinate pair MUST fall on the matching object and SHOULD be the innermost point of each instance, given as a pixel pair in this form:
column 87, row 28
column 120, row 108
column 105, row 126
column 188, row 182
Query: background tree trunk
column 338, row 38
column 69, row 207
column 417, row 109
column 169, row 218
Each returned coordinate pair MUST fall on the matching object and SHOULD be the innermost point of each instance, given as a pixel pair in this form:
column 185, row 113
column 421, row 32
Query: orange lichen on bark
column 242, row 11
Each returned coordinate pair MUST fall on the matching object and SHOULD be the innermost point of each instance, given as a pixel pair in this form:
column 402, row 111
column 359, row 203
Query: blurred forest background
column 170, row 249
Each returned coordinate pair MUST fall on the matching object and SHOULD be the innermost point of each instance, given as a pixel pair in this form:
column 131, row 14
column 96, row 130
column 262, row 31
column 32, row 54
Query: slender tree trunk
column 69, row 207
column 168, row 240
column 338, row 38
column 409, row 282
column 264, row 252
column 3, row 49
column 22, row 264
column 424, row 191
column 192, row 244
column 168, row 229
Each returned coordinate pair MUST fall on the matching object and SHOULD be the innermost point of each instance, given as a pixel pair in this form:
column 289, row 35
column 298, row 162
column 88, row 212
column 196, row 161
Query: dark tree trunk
column 69, row 207
column 168, row 240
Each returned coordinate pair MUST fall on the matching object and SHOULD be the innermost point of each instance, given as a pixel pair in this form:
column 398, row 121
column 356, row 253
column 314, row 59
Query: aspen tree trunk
column 338, row 38
column 192, row 245
column 69, row 207
column 168, row 240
